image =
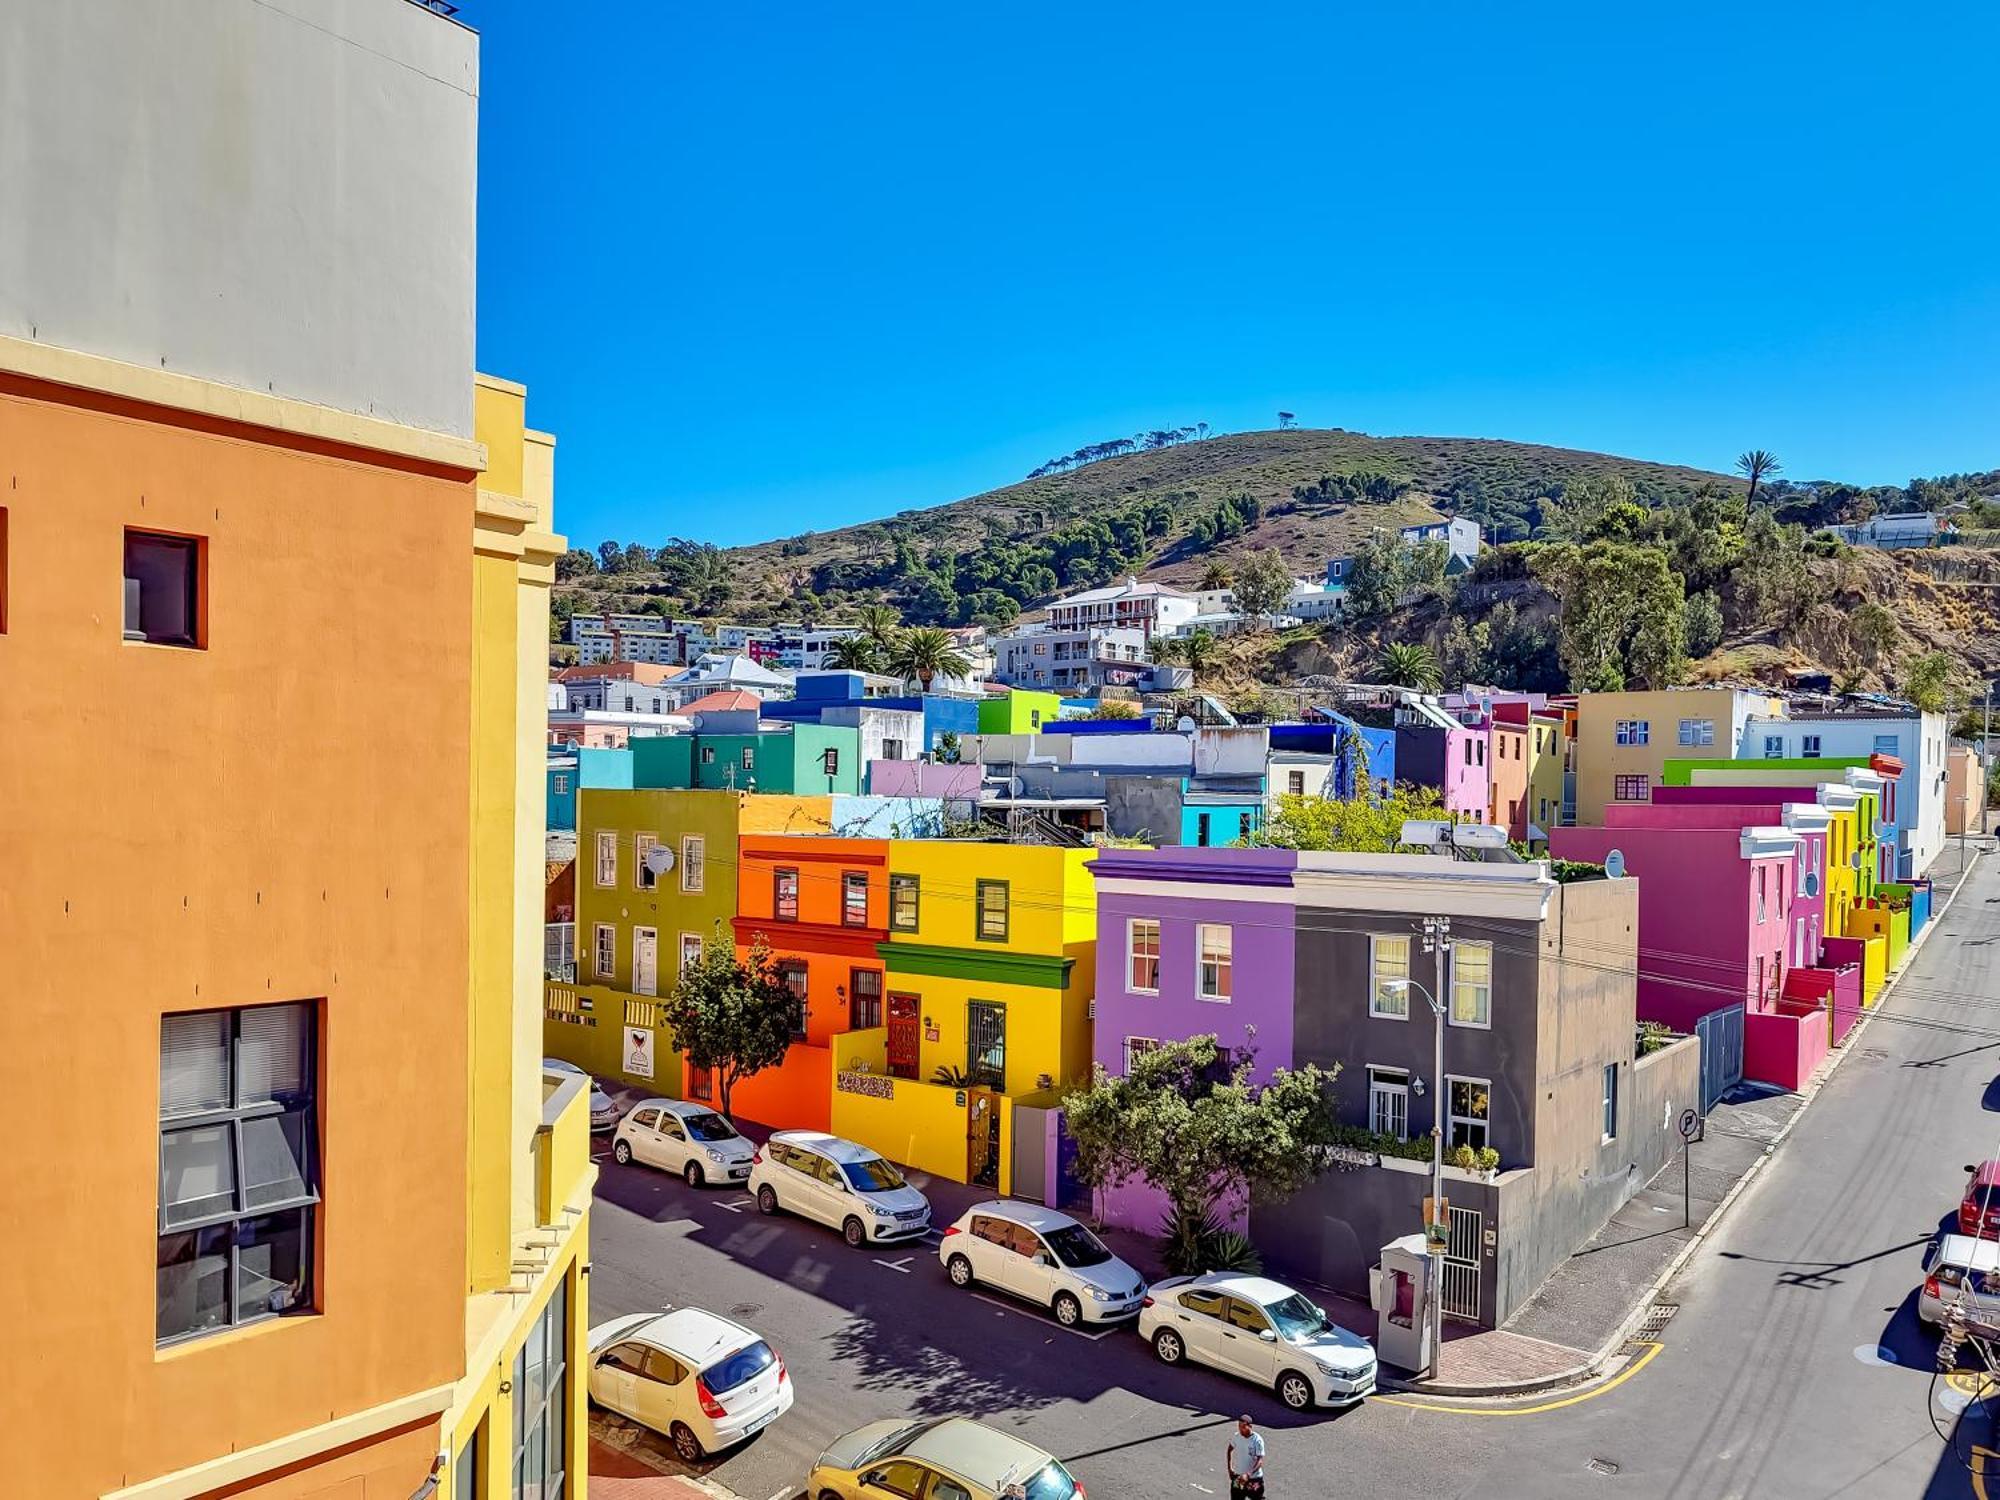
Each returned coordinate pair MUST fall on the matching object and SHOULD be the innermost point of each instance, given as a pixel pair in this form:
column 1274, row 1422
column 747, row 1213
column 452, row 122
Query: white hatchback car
column 705, row 1382
column 843, row 1185
column 1043, row 1256
column 677, row 1135
column 1961, row 1269
column 1263, row 1331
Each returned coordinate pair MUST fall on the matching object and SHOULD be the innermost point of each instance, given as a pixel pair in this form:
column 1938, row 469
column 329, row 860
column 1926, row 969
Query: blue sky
column 786, row 266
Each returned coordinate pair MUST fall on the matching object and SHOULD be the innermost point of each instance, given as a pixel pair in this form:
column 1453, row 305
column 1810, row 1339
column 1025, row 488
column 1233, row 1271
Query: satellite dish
column 1854, row 860
column 1614, row 864
column 1186, row 725
column 1812, row 882
column 659, row 859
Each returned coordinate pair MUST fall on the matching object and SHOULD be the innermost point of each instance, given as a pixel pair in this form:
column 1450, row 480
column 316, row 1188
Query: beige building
column 1964, row 810
column 1624, row 740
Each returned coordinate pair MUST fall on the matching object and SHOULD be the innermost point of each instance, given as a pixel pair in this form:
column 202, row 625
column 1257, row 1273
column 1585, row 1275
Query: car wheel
column 767, row 1199
column 1295, row 1391
column 854, row 1232
column 1167, row 1344
column 959, row 1269
column 621, row 1152
column 692, row 1172
column 1069, row 1311
column 686, row 1444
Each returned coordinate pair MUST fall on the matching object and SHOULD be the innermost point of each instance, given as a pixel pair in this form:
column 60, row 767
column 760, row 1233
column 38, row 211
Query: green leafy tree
column 1933, row 680
column 1409, row 664
column 926, row 653
column 1376, row 581
column 1702, row 620
column 948, row 748
column 855, row 653
column 1263, row 583
column 1187, row 1120
column 1579, row 512
column 735, row 1017
column 1113, row 708
column 1361, row 826
column 1756, row 466
column 1775, row 584
column 1623, row 615
column 1874, row 631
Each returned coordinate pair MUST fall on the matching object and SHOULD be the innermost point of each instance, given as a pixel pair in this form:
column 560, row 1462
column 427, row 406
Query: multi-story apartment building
column 1149, row 608
column 1624, row 740
column 237, row 411
column 1906, row 743
column 1077, row 662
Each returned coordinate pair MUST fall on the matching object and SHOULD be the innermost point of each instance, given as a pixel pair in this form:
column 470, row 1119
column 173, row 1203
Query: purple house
column 1191, row 942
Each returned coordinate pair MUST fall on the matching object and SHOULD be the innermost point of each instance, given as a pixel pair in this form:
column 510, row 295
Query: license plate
column 761, row 1423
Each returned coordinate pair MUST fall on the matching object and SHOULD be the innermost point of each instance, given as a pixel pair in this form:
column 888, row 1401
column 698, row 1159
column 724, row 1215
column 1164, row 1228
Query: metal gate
column 1460, row 1291
column 1721, row 1033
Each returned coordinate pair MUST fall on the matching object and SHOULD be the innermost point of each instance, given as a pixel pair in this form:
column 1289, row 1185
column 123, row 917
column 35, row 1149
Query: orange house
column 821, row 905
column 1507, row 763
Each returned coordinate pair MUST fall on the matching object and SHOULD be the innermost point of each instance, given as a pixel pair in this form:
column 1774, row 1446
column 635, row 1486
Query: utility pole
column 1437, row 943
column 1985, row 754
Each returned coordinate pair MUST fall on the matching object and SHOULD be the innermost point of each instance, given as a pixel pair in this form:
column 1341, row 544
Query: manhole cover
column 1657, row 1318
column 1601, row 1466
column 746, row 1309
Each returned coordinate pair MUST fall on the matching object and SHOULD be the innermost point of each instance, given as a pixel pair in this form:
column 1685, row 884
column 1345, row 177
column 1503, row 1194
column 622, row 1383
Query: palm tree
column 855, row 653
column 1757, row 464
column 1197, row 651
column 1409, row 664
column 925, row 653
column 879, row 623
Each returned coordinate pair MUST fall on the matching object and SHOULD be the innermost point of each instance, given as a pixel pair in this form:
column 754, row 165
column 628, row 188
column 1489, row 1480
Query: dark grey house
column 1538, row 986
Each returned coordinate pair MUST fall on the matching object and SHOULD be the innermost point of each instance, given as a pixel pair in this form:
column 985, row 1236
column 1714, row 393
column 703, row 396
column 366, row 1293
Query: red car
column 1979, row 1210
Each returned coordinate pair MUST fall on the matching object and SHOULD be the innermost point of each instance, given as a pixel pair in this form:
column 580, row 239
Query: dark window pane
column 199, row 1167
column 277, row 1165
column 161, row 582
column 193, row 1282
column 194, row 1063
column 732, row 1370
column 271, row 1054
column 272, row 1256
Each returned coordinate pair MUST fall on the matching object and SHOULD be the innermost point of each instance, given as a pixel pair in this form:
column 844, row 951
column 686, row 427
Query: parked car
column 603, row 1113
column 678, row 1135
column 1979, row 1208
column 1965, row 1269
column 952, row 1459
column 843, row 1185
column 705, row 1382
column 1261, row 1330
column 1044, row 1256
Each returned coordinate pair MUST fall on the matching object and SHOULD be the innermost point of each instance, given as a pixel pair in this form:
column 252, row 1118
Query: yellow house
column 990, row 971
column 528, row 1170
column 1624, row 740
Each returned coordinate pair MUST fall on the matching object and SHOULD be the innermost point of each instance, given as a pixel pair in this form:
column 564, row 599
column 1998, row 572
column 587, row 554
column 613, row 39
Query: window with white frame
column 1212, row 943
column 1809, row 747
column 1888, row 744
column 708, row 755
column 1389, row 976
column 607, row 858
column 643, row 876
column 1137, row 1047
column 1697, row 731
column 238, row 1167
column 1389, row 1102
column 542, row 1443
column 1142, row 948
column 694, row 862
column 1469, row 1104
column 1471, row 983
column 1610, row 1102
column 748, row 759
column 1774, row 747
column 1634, row 731
column 604, row 957
column 690, row 951
column 1763, row 879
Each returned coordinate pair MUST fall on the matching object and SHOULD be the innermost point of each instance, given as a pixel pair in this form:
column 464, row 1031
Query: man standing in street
column 1247, row 1447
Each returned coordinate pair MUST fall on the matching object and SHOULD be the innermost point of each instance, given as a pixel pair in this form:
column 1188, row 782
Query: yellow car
column 952, row 1459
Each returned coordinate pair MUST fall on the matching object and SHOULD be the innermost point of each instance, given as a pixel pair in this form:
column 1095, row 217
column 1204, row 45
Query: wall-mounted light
column 1417, row 1087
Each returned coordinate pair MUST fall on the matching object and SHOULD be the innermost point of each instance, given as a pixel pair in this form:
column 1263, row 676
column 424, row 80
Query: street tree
column 735, row 1017
column 1360, row 826
column 1186, row 1119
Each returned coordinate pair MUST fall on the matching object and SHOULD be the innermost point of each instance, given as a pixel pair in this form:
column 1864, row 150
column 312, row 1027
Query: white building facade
column 1919, row 740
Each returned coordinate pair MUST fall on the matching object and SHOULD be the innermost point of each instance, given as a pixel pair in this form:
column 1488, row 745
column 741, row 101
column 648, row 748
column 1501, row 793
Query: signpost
column 1692, row 1127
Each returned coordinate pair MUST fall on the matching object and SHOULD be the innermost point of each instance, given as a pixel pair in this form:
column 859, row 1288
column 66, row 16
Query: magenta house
column 1191, row 942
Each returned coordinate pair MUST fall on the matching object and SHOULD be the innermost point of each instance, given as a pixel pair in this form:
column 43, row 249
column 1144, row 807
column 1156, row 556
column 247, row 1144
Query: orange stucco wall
column 192, row 828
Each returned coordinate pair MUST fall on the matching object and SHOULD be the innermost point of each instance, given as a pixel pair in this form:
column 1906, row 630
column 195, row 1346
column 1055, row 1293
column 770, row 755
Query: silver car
column 603, row 1113
column 1263, row 1331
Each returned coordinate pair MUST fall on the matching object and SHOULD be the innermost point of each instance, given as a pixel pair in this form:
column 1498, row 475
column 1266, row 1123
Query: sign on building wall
column 874, row 1085
column 638, row 1051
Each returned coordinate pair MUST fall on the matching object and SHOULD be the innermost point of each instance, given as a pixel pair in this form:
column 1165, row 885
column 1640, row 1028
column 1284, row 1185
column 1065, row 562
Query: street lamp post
column 1437, row 943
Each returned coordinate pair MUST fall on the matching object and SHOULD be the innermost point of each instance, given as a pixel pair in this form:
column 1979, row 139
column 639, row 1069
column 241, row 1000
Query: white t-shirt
column 1253, row 1449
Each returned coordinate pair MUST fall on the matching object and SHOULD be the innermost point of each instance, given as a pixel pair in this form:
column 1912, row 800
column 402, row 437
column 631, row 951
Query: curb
column 1593, row 1367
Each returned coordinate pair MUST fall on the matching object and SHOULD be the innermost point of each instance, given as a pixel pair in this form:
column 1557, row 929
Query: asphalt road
column 1795, row 1366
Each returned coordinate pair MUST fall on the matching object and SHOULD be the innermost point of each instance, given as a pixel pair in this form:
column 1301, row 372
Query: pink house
column 1718, row 888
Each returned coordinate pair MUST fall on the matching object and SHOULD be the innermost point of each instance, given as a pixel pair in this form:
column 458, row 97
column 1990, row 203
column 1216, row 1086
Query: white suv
column 1044, row 1256
column 843, row 1185
column 679, row 1136
column 1261, row 1330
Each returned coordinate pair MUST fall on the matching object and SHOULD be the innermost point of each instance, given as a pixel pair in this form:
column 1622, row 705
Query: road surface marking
column 738, row 1206
column 902, row 1265
column 1028, row 1312
column 1528, row 1411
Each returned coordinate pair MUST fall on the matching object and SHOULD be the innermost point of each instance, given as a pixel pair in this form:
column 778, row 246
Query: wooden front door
column 902, row 1036
column 982, row 1137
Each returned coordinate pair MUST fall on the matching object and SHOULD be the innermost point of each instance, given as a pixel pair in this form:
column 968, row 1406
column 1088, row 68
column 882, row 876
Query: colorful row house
column 1295, row 958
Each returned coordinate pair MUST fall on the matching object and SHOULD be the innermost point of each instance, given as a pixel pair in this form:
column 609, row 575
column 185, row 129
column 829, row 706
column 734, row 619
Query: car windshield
column 892, row 1442
column 733, row 1370
column 1076, row 1246
column 1051, row 1482
column 708, row 1127
column 872, row 1176
column 1296, row 1318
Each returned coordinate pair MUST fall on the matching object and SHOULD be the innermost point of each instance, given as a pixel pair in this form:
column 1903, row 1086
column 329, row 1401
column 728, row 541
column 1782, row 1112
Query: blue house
column 816, row 692
column 574, row 768
column 1358, row 749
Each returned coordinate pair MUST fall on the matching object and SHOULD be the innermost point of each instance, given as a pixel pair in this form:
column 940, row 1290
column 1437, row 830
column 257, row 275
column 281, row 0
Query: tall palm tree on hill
column 879, row 623
column 925, row 653
column 855, row 653
column 1756, row 465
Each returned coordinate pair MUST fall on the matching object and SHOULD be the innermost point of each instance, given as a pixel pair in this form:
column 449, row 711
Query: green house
column 804, row 760
column 1018, row 711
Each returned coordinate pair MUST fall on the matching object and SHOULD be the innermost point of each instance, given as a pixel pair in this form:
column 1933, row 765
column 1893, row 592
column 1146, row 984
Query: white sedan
column 680, row 1136
column 1261, row 1330
column 705, row 1382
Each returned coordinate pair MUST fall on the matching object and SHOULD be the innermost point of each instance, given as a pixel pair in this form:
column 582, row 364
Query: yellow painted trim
column 508, row 510
column 1528, row 1411
column 499, row 383
column 211, row 398
column 249, row 1463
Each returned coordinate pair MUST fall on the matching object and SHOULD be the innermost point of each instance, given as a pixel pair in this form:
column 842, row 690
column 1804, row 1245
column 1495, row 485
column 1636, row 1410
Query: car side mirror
column 1042, row 1258
column 1267, row 1335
